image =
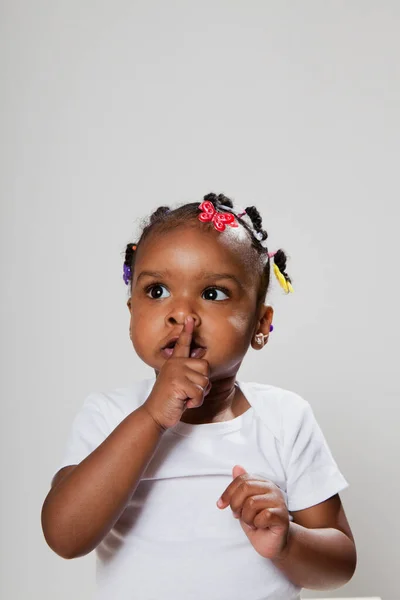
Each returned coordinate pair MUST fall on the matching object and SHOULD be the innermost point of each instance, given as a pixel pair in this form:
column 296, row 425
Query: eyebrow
column 204, row 276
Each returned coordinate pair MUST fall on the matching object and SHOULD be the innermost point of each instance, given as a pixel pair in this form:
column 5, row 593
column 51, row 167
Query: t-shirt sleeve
column 312, row 474
column 89, row 429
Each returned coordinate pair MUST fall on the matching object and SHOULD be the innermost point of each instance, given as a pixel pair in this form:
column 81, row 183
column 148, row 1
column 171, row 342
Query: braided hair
column 164, row 219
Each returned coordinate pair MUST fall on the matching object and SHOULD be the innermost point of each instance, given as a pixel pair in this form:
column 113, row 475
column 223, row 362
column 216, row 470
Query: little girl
column 193, row 485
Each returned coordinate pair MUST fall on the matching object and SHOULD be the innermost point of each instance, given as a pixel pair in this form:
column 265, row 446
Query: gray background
column 109, row 109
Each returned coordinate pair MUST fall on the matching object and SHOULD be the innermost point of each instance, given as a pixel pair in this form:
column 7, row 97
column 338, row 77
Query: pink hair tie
column 241, row 214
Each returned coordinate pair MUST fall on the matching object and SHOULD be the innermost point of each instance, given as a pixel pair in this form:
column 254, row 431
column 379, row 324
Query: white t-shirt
column 172, row 542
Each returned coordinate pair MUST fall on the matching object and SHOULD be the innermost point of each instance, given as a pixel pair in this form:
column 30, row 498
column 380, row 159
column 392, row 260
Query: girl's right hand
column 182, row 382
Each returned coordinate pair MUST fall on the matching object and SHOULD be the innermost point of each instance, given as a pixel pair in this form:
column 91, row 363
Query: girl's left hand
column 261, row 508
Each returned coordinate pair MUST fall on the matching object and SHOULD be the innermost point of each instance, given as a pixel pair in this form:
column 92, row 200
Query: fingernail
column 220, row 503
column 236, row 515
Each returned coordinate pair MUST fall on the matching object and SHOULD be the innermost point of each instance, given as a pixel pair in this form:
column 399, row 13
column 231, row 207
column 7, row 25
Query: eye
column 155, row 291
column 212, row 293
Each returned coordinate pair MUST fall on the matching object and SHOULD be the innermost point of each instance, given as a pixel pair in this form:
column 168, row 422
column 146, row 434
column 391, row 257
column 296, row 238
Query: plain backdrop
column 112, row 108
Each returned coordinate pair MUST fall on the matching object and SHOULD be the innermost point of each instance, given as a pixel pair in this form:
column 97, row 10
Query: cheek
column 238, row 322
column 145, row 330
column 240, row 326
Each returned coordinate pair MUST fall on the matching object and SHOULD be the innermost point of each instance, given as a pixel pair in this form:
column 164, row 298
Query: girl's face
column 202, row 273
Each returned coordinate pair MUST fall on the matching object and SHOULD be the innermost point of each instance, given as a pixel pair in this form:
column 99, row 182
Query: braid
column 129, row 252
column 158, row 214
column 128, row 262
column 279, row 257
column 218, row 200
column 280, row 261
column 256, row 219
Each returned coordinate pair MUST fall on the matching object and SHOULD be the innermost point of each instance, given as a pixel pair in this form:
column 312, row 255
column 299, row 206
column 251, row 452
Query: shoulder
column 279, row 408
column 116, row 404
column 99, row 415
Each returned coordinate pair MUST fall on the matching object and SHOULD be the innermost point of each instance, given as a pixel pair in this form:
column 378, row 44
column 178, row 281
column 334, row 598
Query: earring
column 261, row 339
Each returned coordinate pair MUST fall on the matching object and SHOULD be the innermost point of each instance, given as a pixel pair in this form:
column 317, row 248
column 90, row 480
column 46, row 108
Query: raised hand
column 261, row 508
column 182, row 383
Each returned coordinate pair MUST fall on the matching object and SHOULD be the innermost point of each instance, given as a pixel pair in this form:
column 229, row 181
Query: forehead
column 197, row 247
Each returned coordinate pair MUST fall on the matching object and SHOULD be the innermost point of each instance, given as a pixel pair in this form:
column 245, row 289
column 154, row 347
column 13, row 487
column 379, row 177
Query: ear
column 266, row 314
column 129, row 305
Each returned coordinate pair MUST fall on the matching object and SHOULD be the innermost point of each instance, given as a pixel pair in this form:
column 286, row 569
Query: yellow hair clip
column 283, row 282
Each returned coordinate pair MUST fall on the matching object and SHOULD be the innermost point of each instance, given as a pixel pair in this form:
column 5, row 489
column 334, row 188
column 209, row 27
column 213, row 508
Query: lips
column 196, row 349
column 171, row 343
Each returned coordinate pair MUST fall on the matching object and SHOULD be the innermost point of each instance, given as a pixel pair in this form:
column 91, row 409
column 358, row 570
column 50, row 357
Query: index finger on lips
column 182, row 346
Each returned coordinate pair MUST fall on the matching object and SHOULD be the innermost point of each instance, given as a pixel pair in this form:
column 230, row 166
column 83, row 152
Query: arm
column 315, row 551
column 320, row 552
column 87, row 499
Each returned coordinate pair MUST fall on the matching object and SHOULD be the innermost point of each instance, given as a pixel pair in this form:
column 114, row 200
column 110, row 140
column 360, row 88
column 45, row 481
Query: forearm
column 320, row 559
column 79, row 511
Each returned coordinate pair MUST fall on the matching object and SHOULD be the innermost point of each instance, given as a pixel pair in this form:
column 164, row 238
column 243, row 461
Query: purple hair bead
column 127, row 274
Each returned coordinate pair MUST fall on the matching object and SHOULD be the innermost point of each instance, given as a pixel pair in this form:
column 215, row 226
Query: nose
column 179, row 312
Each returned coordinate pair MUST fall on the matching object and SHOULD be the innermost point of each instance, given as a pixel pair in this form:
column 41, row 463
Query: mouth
column 196, row 349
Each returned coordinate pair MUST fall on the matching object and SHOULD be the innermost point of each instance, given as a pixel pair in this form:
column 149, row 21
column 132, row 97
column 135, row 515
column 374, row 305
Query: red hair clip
column 219, row 219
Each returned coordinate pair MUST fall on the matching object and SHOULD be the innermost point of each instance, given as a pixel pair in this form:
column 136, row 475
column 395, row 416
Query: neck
column 224, row 402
